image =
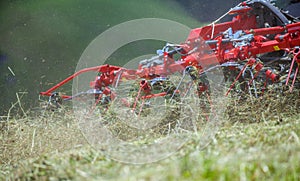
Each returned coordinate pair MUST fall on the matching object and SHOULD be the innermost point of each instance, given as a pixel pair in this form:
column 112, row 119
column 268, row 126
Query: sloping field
column 42, row 41
column 259, row 139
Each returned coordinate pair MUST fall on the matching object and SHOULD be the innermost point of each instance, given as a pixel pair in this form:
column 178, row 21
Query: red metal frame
column 206, row 38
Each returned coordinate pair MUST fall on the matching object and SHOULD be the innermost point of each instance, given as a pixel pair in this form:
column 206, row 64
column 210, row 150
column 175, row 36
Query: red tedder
column 259, row 46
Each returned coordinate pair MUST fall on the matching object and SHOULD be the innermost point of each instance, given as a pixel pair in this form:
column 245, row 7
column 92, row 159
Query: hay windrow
column 273, row 105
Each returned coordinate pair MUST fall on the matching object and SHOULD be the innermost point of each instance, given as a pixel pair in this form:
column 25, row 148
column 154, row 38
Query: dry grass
column 274, row 105
column 30, row 137
column 259, row 140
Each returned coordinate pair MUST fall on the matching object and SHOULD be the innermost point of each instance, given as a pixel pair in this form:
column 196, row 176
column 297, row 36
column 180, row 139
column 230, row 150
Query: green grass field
column 254, row 144
column 43, row 40
column 257, row 140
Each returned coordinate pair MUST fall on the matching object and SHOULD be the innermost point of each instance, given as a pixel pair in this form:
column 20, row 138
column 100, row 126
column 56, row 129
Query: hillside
column 41, row 41
column 234, row 137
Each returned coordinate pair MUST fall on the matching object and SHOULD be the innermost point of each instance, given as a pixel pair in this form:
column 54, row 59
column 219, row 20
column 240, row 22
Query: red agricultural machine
column 259, row 46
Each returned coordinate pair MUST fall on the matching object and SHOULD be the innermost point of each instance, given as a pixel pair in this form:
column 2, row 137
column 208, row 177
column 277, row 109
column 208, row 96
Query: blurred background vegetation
column 42, row 40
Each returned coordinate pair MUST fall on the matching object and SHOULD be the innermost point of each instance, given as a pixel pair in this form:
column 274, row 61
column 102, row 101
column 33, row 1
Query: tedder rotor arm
column 102, row 68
